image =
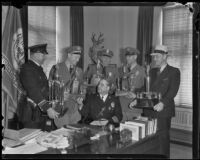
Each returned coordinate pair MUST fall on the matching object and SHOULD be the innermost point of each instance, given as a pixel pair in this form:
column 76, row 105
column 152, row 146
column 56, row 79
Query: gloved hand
column 52, row 113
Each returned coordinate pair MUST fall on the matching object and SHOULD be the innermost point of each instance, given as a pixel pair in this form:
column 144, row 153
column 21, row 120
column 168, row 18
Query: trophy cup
column 147, row 99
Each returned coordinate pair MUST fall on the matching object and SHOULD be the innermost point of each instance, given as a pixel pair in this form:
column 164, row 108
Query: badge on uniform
column 112, row 106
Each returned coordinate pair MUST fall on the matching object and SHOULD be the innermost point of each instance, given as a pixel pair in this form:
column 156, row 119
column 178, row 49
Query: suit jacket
column 35, row 83
column 167, row 83
column 95, row 108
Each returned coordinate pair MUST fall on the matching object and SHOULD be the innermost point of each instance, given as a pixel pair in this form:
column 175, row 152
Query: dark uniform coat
column 35, row 83
column 95, row 108
column 167, row 83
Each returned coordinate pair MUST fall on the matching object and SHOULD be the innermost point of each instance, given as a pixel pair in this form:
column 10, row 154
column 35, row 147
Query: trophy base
column 146, row 103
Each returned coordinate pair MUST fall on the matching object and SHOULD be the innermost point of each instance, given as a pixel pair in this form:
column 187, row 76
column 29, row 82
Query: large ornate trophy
column 58, row 90
column 147, row 99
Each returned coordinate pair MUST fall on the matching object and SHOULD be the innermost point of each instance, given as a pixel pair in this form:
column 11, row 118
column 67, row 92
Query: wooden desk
column 111, row 144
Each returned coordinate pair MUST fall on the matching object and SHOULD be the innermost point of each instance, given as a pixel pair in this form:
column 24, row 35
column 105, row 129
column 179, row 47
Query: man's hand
column 80, row 102
column 158, row 107
column 133, row 104
column 131, row 95
column 52, row 113
column 66, row 96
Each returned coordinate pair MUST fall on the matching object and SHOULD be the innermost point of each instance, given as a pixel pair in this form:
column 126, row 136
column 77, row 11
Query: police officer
column 33, row 110
column 101, row 105
column 136, row 73
column 66, row 72
column 104, row 67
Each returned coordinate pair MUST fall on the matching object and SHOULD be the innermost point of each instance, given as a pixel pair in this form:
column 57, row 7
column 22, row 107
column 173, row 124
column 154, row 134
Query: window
column 177, row 35
column 42, row 29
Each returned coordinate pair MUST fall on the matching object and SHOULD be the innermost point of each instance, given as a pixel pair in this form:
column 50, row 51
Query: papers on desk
column 14, row 138
column 53, row 140
column 101, row 122
column 30, row 148
column 63, row 131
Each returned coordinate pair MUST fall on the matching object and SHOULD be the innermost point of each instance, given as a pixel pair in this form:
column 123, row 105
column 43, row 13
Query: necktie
column 158, row 72
column 104, row 71
column 102, row 98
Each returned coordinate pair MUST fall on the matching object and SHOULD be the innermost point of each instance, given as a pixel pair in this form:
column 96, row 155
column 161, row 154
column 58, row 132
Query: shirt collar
column 163, row 67
column 104, row 97
column 36, row 62
column 133, row 66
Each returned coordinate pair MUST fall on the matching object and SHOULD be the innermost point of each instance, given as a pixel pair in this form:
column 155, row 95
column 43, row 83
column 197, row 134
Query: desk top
column 110, row 144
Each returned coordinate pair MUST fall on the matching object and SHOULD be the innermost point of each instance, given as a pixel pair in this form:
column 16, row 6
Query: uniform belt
column 32, row 102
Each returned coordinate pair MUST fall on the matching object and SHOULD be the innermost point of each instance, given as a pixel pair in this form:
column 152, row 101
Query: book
column 136, row 130
column 22, row 135
column 142, row 125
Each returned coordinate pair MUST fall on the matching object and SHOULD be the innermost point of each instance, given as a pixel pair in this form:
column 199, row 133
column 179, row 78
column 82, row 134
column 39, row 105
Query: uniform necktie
column 104, row 71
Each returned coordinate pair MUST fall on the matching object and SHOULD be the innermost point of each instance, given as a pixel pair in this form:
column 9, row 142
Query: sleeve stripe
column 42, row 103
column 31, row 101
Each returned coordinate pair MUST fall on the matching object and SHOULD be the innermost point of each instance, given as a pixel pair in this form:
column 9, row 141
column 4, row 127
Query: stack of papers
column 30, row 148
column 101, row 122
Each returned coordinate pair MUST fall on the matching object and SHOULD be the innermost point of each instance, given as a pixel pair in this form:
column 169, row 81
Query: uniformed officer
column 136, row 73
column 35, row 106
column 101, row 105
column 103, row 67
column 66, row 72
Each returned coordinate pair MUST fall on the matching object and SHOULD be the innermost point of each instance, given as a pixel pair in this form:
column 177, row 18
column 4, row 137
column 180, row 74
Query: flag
column 12, row 59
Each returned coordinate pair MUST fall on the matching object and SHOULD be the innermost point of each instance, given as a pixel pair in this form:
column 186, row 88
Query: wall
column 118, row 24
column 62, row 30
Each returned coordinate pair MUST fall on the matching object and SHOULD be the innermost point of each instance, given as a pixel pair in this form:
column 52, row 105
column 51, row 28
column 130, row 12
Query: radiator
column 182, row 119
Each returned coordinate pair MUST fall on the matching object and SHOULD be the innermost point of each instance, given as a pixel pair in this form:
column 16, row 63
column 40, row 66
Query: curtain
column 76, row 28
column 24, row 20
column 145, row 33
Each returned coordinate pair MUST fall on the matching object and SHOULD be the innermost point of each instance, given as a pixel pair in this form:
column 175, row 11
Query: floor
column 180, row 151
column 181, row 144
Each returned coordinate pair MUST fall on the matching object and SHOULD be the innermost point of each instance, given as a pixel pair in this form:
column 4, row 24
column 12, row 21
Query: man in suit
column 101, row 105
column 35, row 107
column 103, row 69
column 165, row 80
column 67, row 72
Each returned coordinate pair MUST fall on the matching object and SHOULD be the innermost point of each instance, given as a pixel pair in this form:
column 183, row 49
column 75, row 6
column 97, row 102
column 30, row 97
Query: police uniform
column 72, row 115
column 95, row 108
column 109, row 71
column 137, row 72
column 32, row 110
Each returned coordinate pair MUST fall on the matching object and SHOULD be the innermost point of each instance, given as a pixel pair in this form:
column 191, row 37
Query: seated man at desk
column 101, row 105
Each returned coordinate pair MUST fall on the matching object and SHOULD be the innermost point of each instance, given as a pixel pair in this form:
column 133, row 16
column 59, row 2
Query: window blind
column 177, row 35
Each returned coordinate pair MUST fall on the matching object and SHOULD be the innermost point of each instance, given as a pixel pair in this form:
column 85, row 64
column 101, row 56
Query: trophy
column 147, row 99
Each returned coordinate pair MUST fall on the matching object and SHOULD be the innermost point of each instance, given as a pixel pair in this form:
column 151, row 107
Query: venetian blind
column 42, row 29
column 177, row 35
